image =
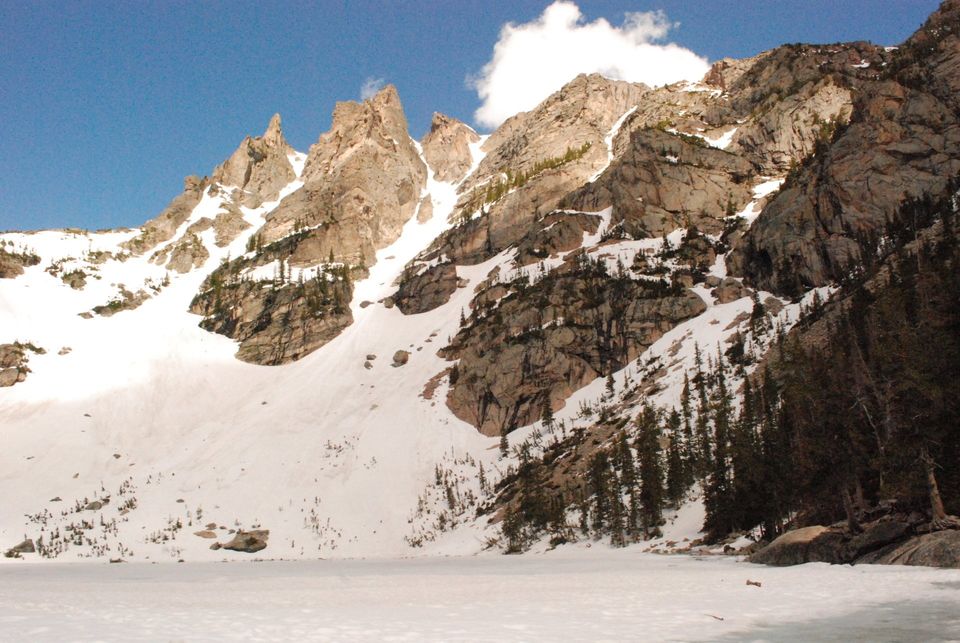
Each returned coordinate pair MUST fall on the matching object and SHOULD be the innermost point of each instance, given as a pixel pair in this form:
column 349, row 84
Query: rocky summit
column 714, row 316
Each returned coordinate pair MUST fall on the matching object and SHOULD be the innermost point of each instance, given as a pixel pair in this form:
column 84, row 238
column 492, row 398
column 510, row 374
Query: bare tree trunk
column 936, row 502
column 852, row 523
column 858, row 498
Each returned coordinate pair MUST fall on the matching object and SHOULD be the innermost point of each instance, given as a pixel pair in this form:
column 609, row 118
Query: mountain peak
column 274, row 133
column 259, row 165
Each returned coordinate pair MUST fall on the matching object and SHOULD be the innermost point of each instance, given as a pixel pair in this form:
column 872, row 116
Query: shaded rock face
column 664, row 181
column 13, row 261
column 279, row 320
column 903, row 140
column 362, row 181
column 260, row 167
column 541, row 342
column 427, row 290
column 892, row 540
column 556, row 233
column 446, row 148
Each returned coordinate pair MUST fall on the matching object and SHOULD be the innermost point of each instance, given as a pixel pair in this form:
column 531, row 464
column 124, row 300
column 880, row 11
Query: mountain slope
column 385, row 347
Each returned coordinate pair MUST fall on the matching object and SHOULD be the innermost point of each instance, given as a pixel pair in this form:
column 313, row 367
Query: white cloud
column 532, row 60
column 370, row 87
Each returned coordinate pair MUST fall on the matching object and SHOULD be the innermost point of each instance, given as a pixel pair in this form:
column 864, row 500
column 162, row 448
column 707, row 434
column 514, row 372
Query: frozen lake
column 591, row 595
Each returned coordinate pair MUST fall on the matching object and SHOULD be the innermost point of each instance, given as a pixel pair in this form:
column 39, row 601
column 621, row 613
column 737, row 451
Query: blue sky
column 108, row 105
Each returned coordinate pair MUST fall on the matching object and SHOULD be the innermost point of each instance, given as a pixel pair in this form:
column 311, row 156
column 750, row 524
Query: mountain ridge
column 471, row 334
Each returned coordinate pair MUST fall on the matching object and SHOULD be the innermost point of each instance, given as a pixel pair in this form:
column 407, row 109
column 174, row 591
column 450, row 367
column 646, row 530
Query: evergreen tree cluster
column 866, row 415
column 619, row 496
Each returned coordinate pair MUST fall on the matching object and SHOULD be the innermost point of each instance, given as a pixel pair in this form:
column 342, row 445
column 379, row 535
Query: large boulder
column 248, row 541
column 938, row 549
column 26, row 547
column 815, row 544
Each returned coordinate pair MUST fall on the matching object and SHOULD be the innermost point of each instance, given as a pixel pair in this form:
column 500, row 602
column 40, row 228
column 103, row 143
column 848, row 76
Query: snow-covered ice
column 581, row 595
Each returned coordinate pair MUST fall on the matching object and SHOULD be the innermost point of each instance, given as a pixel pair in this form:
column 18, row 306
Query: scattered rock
column 205, row 533
column 400, row 358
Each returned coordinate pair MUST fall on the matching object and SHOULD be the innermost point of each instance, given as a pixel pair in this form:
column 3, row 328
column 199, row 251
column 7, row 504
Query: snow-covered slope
column 156, row 414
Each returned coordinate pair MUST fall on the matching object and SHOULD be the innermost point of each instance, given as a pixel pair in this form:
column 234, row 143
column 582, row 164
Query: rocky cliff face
column 362, row 181
column 903, row 140
column 527, row 346
column 665, row 181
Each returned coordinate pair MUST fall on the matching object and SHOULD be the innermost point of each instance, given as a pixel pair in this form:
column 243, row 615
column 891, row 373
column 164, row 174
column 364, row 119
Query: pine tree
column 651, row 475
column 676, row 471
column 629, row 485
column 703, row 417
column 546, row 412
column 599, row 470
column 717, row 495
column 691, row 460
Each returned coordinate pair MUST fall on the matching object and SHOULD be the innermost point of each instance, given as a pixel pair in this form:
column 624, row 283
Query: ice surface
column 583, row 595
